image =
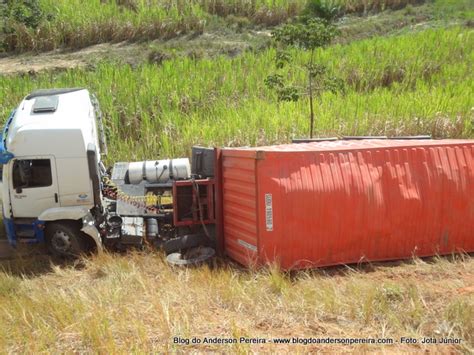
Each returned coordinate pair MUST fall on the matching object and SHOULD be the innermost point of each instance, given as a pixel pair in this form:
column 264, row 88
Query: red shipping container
column 341, row 202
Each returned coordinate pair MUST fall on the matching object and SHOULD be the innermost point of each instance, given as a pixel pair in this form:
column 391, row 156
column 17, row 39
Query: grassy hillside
column 49, row 24
column 416, row 83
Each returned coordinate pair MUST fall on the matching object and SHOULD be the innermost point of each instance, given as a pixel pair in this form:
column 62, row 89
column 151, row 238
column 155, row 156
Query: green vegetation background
column 416, row 78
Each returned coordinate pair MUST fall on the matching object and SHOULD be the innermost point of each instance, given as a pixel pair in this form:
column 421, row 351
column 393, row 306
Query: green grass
column 78, row 23
column 460, row 8
column 419, row 83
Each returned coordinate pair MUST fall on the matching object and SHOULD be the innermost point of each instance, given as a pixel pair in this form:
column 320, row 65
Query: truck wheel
column 191, row 257
column 65, row 239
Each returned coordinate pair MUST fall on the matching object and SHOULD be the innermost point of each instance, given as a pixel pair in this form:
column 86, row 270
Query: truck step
column 27, row 240
column 26, row 233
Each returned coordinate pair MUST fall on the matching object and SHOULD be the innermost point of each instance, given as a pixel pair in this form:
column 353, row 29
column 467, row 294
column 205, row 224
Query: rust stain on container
column 327, row 203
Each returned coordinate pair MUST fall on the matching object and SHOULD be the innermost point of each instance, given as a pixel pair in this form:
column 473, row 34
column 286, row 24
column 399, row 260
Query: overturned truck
column 307, row 204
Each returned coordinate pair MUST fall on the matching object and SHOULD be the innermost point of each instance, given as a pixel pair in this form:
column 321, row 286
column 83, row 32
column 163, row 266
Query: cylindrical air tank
column 159, row 171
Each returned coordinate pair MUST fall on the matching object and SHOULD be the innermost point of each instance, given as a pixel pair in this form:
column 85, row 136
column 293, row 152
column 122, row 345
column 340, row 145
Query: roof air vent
column 45, row 104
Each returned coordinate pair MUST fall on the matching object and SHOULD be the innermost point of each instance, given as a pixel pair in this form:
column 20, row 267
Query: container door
column 33, row 186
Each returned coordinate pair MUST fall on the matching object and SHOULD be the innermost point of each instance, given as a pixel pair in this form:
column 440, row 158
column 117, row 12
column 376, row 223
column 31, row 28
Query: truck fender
column 91, row 230
column 57, row 213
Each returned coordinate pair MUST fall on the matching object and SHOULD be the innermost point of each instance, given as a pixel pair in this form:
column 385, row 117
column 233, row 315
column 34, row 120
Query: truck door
column 33, row 187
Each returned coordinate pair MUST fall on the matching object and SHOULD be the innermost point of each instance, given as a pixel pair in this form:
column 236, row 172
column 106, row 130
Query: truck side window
column 32, row 173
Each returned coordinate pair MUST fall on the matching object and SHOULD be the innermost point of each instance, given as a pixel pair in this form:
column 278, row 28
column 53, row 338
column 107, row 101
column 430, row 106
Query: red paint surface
column 348, row 201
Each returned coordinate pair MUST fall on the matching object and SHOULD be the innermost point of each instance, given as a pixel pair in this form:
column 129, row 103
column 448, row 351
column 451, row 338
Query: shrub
column 326, row 9
column 26, row 12
column 18, row 20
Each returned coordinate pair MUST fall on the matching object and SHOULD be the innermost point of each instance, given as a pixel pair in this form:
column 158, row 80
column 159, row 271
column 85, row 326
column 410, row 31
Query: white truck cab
column 50, row 153
column 55, row 189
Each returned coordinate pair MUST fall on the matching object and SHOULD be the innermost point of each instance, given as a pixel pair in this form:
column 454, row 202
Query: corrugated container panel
column 240, row 208
column 327, row 203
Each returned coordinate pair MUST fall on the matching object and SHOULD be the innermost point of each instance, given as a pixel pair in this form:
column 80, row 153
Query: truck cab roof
column 59, row 122
column 51, row 92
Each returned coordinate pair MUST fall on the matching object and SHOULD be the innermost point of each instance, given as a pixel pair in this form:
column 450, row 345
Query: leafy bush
column 19, row 16
column 326, row 9
column 26, row 12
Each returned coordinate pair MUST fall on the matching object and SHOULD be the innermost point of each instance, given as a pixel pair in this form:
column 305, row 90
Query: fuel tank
column 159, row 171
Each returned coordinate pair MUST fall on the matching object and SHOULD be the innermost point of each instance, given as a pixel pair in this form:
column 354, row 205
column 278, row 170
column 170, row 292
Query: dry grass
column 136, row 302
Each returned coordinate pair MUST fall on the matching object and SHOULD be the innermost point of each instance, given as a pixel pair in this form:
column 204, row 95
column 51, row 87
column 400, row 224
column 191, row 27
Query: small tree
column 308, row 35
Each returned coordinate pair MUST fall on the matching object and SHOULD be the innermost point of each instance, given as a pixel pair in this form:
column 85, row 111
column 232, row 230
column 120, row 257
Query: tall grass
column 79, row 23
column 137, row 303
column 412, row 84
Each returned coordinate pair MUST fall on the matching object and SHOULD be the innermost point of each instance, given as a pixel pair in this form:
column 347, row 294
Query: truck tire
column 65, row 239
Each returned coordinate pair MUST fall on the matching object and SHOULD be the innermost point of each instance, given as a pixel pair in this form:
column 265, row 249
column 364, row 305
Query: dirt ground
column 59, row 60
column 209, row 44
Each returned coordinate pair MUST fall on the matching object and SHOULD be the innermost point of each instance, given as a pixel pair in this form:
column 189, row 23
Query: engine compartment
column 173, row 211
